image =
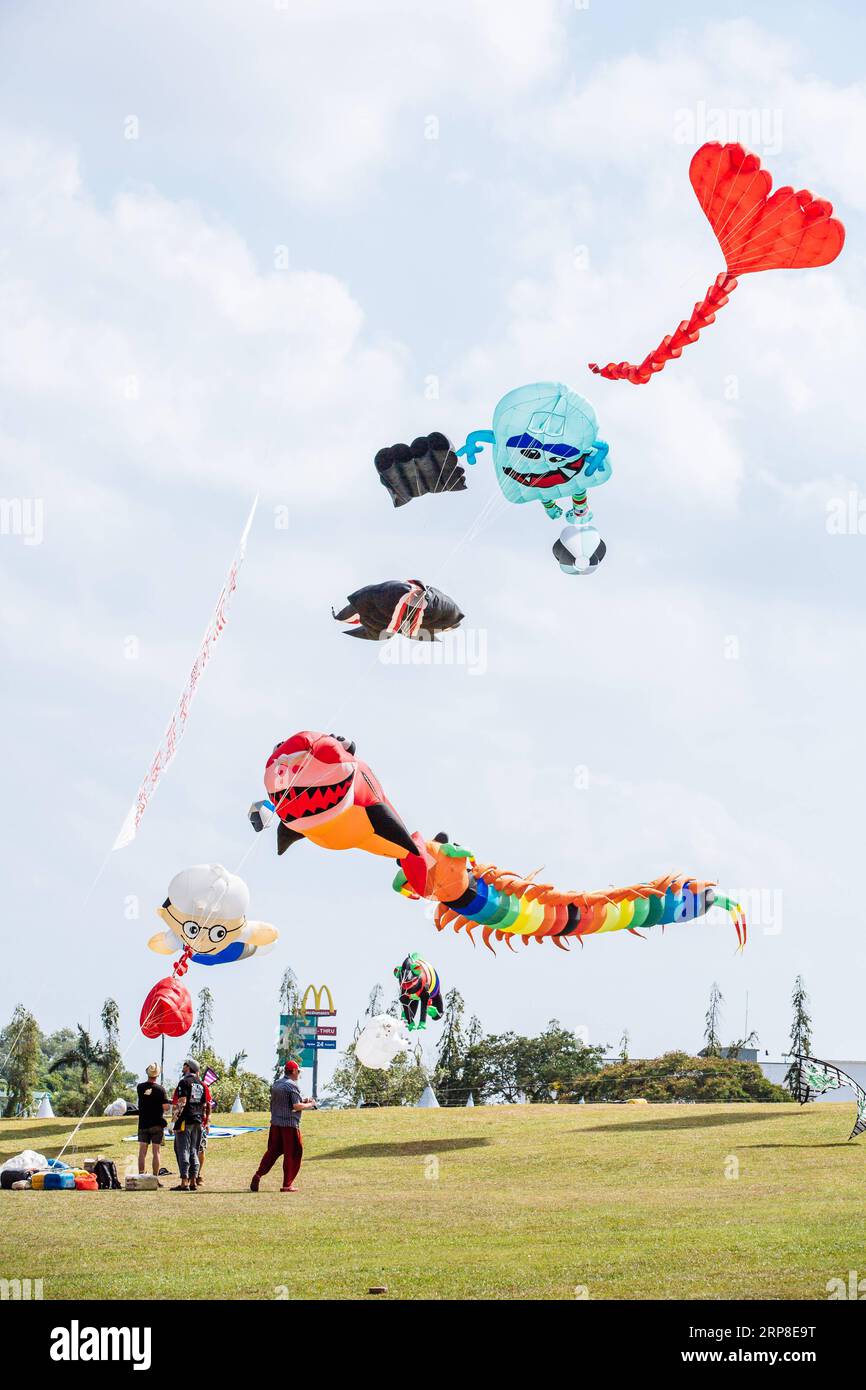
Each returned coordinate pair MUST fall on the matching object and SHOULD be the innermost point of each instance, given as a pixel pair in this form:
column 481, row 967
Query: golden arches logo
column 317, row 993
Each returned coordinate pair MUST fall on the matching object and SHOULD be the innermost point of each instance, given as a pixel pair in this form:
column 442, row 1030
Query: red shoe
column 289, row 1189
column 254, row 1185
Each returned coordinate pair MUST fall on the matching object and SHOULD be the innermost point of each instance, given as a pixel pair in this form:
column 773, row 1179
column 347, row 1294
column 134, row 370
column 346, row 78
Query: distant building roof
column 741, row 1054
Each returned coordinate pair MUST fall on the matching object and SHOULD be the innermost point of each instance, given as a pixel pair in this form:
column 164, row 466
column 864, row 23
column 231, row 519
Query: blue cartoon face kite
column 545, row 446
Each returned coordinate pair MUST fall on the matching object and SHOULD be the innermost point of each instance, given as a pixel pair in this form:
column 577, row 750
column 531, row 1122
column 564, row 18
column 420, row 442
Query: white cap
column 209, row 891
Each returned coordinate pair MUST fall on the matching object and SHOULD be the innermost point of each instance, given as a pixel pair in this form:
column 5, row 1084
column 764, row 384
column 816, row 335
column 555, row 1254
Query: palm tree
column 85, row 1053
column 237, row 1061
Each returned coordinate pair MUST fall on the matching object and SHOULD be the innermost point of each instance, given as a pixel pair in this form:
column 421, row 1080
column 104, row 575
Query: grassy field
column 538, row 1202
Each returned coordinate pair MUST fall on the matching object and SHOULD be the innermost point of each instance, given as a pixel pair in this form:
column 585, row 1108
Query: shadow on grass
column 687, row 1122
column 409, row 1149
column 831, row 1144
column 11, row 1143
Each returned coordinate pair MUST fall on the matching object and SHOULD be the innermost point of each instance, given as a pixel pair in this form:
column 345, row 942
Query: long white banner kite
column 177, row 724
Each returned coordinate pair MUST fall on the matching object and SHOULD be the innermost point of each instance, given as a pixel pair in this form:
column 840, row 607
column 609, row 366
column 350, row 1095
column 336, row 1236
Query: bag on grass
column 105, row 1172
column 12, row 1175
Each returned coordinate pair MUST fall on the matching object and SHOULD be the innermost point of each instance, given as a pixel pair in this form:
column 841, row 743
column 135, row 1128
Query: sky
column 246, row 243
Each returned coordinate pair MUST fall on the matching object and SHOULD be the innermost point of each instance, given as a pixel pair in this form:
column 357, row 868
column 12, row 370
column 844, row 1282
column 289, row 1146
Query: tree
column 375, row 1004
column 508, row 1067
column 678, row 1077
column 472, row 1076
column 289, row 1041
column 624, row 1045
column 290, row 994
column 202, row 1030
column 21, row 1063
column 401, row 1084
column 51, row 1046
column 712, row 1021
column 112, row 1061
column 450, row 1054
column 801, row 1032
column 84, row 1054
column 69, row 1057
column 554, row 1062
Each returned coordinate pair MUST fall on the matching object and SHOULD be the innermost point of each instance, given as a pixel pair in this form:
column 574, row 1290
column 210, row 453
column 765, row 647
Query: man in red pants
column 284, row 1136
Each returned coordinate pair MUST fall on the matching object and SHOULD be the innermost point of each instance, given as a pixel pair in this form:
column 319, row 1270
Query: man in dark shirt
column 190, row 1113
column 284, row 1136
column 205, row 1122
column 152, row 1105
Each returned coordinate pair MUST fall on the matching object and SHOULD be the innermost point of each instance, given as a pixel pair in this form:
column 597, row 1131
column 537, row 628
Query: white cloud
column 155, row 319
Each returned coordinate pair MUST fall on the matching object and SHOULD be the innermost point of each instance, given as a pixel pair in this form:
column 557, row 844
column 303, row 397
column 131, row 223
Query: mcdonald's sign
column 318, row 1011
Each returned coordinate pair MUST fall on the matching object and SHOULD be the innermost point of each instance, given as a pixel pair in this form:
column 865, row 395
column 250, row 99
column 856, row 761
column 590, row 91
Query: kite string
column 121, row 1059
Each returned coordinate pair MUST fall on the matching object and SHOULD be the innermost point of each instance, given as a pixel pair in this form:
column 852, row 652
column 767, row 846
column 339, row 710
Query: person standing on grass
column 152, row 1107
column 190, row 1112
column 206, row 1079
column 284, row 1136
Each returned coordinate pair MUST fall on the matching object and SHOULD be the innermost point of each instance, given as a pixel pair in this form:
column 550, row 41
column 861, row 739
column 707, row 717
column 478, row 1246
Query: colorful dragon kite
column 507, row 906
column 320, row 791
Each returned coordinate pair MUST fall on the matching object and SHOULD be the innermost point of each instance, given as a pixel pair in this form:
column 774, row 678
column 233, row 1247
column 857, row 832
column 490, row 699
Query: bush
column 678, row 1077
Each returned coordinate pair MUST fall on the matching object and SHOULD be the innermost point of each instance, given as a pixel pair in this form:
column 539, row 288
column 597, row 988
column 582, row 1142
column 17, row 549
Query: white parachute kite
column 381, row 1040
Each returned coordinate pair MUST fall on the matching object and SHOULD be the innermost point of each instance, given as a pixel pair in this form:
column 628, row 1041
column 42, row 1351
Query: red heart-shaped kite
column 757, row 230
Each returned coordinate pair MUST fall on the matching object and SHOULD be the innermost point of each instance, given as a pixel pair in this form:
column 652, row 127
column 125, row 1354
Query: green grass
column 497, row 1202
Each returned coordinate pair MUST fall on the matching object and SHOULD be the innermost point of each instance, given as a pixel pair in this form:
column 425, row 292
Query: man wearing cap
column 190, row 1112
column 152, row 1107
column 284, row 1136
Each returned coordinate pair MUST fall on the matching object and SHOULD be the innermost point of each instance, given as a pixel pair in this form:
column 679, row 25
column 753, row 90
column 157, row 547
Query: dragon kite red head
column 320, row 791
